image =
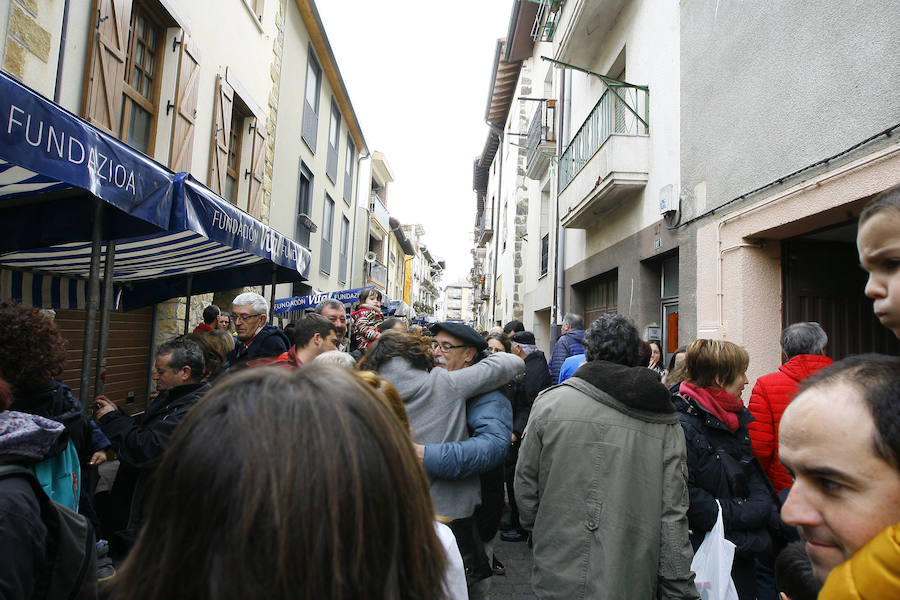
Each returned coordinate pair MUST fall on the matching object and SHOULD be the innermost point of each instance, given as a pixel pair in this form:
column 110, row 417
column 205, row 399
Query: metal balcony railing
column 541, row 129
column 377, row 272
column 623, row 109
column 379, row 211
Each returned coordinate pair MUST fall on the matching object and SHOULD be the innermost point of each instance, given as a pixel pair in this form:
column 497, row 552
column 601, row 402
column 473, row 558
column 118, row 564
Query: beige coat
column 602, row 482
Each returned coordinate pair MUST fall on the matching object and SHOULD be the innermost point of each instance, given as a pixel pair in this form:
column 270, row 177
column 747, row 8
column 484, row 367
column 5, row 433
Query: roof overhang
column 319, row 39
column 504, row 79
column 520, row 44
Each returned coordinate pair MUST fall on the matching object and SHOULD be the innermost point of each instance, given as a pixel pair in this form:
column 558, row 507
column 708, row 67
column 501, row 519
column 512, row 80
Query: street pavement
column 516, row 584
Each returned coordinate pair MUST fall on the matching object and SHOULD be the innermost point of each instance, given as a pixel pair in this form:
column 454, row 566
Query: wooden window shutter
column 102, row 101
column 186, row 93
column 257, row 168
column 218, row 160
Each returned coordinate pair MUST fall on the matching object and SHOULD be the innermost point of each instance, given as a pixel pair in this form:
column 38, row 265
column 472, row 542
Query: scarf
column 717, row 402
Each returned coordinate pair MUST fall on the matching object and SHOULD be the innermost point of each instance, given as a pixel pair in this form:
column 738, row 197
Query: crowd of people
column 350, row 455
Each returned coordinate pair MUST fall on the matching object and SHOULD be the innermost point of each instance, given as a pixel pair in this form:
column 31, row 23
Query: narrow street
column 516, row 584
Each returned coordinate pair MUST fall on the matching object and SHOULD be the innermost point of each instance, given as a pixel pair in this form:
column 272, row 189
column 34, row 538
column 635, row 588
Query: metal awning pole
column 272, row 293
column 93, row 301
column 105, row 310
column 187, row 304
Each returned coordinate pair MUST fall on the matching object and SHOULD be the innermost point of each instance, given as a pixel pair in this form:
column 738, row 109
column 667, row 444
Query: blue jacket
column 489, row 417
column 568, row 344
column 569, row 366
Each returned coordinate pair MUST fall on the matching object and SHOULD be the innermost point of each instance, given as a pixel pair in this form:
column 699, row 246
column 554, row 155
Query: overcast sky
column 418, row 73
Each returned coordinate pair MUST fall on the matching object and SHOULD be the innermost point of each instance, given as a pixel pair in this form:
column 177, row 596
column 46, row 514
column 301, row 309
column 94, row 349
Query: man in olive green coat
column 602, row 479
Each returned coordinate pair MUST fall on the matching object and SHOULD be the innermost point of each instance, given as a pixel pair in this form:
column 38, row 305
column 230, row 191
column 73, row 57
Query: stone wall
column 27, row 37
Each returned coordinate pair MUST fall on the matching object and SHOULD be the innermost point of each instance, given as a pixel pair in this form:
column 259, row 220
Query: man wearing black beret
column 489, row 419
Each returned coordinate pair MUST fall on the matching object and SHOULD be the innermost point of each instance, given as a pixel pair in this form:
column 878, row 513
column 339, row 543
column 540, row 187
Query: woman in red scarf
column 721, row 464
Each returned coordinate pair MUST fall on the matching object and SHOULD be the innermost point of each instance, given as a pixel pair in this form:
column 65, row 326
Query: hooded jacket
column 602, row 483
column 58, row 402
column 436, row 404
column 771, row 396
column 568, row 344
column 25, row 439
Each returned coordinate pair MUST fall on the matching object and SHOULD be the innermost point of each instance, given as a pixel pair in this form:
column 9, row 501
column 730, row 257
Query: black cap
column 523, row 337
column 466, row 334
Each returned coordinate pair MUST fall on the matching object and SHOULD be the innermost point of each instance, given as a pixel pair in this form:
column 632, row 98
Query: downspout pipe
column 559, row 280
column 63, row 33
column 496, row 210
column 352, row 257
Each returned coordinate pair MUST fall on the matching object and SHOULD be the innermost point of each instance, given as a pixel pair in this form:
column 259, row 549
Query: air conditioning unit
column 668, row 199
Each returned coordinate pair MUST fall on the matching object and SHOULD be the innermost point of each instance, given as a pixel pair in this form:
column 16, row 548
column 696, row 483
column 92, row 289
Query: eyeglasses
column 445, row 346
column 236, row 317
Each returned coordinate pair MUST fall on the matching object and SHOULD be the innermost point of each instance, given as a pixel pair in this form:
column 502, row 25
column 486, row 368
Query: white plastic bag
column 712, row 564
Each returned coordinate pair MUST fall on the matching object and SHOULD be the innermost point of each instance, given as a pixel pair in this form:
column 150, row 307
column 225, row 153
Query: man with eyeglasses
column 256, row 338
column 489, row 419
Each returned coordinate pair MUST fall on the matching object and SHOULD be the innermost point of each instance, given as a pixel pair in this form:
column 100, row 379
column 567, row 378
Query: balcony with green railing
column 608, row 155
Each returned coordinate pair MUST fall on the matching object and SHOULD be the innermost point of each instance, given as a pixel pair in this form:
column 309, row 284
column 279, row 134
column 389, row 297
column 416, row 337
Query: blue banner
column 203, row 211
column 44, row 138
column 300, row 302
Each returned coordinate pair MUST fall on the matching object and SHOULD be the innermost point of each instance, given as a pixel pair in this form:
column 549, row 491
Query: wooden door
column 823, row 283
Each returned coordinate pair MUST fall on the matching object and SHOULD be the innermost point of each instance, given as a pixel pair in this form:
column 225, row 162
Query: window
column 310, row 125
column 142, row 68
column 233, row 164
column 304, row 225
column 327, row 233
column 545, row 231
column 232, row 174
column 601, row 296
column 345, row 249
column 334, row 136
column 348, row 170
column 126, row 60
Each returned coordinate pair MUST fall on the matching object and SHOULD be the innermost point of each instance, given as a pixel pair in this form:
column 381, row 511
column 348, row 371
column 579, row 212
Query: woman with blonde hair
column 721, row 464
column 284, row 485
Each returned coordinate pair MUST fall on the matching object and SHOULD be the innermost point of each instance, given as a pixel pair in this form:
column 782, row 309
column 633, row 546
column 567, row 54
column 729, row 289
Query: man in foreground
column 602, row 479
column 839, row 439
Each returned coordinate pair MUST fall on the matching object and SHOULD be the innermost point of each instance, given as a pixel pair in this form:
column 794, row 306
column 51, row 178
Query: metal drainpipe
column 352, row 256
column 57, row 90
column 105, row 309
column 90, row 319
column 558, row 274
column 499, row 203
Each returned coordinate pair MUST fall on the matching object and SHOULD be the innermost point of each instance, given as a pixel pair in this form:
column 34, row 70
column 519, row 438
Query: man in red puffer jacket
column 803, row 345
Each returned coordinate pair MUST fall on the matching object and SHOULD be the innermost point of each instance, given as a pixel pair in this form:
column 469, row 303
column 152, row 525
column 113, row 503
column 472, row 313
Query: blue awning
column 173, row 235
column 283, row 305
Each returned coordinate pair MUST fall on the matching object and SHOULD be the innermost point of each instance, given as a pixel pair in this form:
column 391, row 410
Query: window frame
column 349, row 167
column 343, row 254
column 131, row 96
column 325, row 257
column 309, row 125
column 334, row 131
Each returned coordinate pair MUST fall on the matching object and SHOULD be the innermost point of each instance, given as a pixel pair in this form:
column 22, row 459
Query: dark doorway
column 824, row 283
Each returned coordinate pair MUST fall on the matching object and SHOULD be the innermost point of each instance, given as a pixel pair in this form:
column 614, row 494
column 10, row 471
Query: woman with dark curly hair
column 498, row 342
column 31, row 356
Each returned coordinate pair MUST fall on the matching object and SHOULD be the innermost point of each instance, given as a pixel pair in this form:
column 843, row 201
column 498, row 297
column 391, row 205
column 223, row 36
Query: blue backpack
column 60, row 477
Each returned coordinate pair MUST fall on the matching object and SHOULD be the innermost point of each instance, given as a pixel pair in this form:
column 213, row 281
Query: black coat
column 23, row 539
column 270, row 341
column 534, row 381
column 139, row 444
column 721, row 465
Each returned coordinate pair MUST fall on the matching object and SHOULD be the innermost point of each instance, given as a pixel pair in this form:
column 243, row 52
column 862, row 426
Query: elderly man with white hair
column 256, row 338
